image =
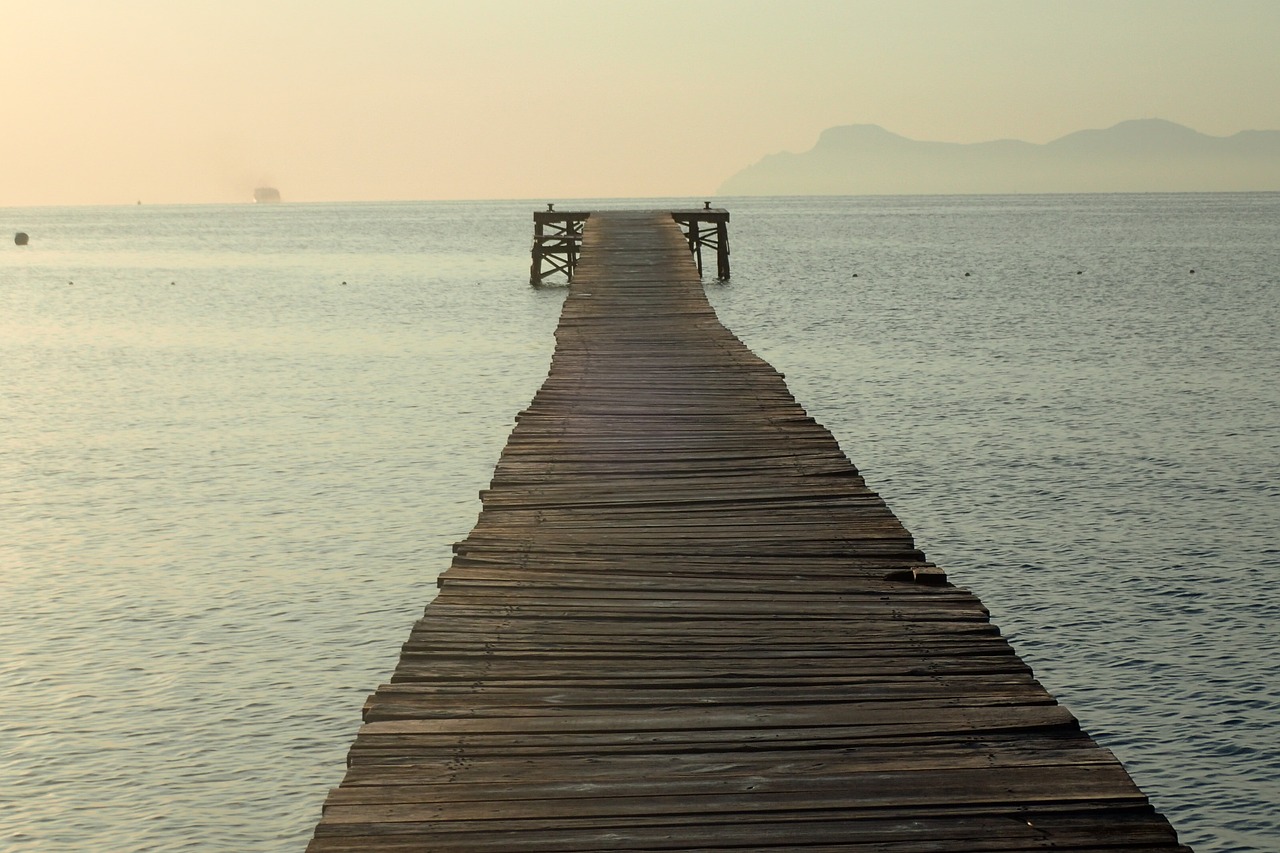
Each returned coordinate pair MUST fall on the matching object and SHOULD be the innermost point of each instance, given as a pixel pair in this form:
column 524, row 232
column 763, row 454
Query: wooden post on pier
column 722, row 248
column 694, row 236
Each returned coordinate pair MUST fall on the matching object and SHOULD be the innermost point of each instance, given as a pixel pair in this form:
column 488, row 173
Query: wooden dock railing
column 684, row 622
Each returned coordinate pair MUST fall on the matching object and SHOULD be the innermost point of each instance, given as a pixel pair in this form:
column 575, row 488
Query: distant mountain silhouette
column 1148, row 155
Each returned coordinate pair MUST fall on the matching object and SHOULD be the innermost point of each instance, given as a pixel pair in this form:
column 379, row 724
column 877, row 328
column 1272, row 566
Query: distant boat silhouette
column 266, row 194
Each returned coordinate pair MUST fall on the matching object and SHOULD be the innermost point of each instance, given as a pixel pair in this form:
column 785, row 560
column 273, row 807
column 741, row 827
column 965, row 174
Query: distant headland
column 266, row 195
column 1147, row 155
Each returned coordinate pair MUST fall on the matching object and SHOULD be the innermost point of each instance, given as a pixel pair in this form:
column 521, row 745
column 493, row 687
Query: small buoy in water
column 966, row 275
column 344, row 284
column 1079, row 272
column 21, row 238
column 1193, row 272
column 855, row 275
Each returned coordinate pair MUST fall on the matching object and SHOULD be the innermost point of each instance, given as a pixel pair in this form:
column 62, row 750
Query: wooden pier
column 683, row 622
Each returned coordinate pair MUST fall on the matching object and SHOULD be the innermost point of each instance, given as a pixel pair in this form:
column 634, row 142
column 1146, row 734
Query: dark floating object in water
column 1193, row 272
column 21, row 238
column 966, row 275
column 1079, row 272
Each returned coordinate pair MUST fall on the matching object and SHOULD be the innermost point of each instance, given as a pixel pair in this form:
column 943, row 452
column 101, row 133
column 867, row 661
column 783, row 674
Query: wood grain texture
column 683, row 622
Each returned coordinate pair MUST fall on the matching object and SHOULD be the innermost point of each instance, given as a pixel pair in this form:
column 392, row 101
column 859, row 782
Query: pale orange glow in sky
column 200, row 101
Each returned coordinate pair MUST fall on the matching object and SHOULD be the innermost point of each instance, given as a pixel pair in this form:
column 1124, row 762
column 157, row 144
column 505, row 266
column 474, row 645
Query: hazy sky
column 114, row 101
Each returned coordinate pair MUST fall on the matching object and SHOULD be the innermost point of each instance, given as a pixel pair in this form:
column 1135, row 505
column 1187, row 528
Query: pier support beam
column 707, row 228
column 557, row 239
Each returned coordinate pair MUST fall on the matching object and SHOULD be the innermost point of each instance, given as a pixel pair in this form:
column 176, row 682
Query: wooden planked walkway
column 683, row 622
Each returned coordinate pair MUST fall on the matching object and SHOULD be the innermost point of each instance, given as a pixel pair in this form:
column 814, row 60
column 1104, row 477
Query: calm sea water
column 238, row 441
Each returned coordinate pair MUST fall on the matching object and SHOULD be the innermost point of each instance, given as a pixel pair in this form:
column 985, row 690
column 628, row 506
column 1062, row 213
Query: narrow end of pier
column 557, row 240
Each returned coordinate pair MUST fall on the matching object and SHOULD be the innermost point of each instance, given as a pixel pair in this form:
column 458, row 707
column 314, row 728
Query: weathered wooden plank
column 854, row 791
column 1130, row 828
column 927, row 753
